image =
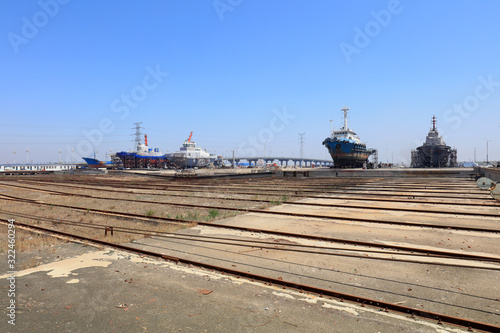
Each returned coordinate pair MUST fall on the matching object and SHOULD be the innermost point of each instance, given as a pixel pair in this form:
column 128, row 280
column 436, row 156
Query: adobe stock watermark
column 470, row 104
column 363, row 37
column 11, row 272
column 223, row 6
column 30, row 28
column 121, row 106
column 254, row 144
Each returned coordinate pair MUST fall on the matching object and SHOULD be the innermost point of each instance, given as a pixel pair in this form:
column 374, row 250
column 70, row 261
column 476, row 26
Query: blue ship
column 143, row 156
column 346, row 148
column 92, row 162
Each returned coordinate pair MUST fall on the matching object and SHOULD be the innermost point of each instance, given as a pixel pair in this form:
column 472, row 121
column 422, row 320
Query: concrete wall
column 492, row 173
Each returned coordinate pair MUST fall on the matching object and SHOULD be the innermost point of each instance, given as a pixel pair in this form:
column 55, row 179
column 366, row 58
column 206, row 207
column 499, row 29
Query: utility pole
column 14, row 153
column 27, row 156
column 301, row 147
column 487, row 150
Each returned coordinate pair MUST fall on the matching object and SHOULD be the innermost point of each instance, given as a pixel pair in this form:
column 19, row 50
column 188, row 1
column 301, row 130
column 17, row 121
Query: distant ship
column 92, row 162
column 346, row 148
column 142, row 156
column 434, row 153
column 190, row 155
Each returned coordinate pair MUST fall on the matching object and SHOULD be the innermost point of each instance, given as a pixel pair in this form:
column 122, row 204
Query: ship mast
column 345, row 109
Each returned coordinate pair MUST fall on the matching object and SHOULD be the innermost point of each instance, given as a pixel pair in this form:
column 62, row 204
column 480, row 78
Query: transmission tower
column 301, row 146
column 137, row 134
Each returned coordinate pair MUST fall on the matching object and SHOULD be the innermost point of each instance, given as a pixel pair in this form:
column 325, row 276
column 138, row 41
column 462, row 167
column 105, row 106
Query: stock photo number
column 11, row 264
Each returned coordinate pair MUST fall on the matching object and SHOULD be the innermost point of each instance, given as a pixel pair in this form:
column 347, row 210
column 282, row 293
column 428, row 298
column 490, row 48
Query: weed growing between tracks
column 26, row 240
column 283, row 199
column 56, row 218
column 212, row 215
column 165, row 197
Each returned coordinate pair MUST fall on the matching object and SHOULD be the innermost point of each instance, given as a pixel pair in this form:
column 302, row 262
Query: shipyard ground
column 127, row 293
column 71, row 286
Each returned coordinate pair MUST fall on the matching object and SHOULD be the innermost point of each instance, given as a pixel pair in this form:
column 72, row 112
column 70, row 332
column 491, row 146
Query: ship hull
column 433, row 157
column 188, row 162
column 133, row 160
column 346, row 154
column 95, row 163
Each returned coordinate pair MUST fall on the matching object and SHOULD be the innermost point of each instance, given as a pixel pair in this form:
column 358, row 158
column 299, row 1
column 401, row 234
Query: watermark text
column 253, row 144
column 31, row 27
column 363, row 37
column 11, row 264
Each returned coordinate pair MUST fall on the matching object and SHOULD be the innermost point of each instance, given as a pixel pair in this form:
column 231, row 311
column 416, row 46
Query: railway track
column 331, row 204
column 273, row 244
column 302, row 191
column 285, row 284
column 277, row 212
column 343, row 196
column 414, row 250
column 345, row 245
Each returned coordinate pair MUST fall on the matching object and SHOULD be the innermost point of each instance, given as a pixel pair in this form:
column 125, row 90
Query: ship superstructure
column 434, row 153
column 346, row 148
column 191, row 156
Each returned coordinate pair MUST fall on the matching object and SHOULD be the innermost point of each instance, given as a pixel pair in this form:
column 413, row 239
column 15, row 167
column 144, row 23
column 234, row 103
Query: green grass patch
column 283, row 199
column 213, row 213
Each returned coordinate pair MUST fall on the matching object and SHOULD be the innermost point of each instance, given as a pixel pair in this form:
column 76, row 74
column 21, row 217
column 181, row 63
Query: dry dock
column 310, row 252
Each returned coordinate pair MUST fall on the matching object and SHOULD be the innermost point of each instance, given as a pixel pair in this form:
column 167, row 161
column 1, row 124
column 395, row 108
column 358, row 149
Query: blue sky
column 77, row 74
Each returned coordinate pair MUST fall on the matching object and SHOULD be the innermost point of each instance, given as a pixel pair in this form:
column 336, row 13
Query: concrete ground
column 70, row 287
column 80, row 288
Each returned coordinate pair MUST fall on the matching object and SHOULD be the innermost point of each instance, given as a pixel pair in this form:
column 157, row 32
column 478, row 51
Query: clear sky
column 247, row 75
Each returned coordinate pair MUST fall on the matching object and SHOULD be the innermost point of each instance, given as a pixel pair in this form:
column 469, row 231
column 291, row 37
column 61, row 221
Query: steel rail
column 482, row 203
column 253, row 185
column 415, row 252
column 338, row 205
column 321, row 292
column 381, row 183
column 179, row 187
column 257, row 230
column 268, row 212
column 465, row 184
